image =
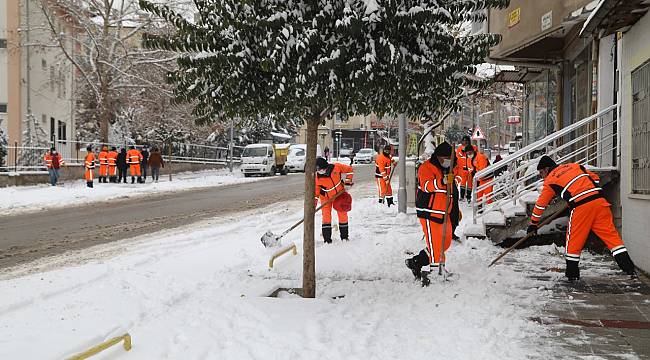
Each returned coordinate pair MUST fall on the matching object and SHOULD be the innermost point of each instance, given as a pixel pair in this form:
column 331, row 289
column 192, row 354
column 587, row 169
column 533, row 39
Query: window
column 640, row 129
column 52, row 78
column 52, row 130
column 3, row 108
column 44, row 64
column 62, row 134
column 3, row 43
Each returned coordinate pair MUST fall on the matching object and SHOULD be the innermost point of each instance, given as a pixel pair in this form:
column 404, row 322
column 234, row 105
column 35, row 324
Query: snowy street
column 200, row 292
column 111, row 212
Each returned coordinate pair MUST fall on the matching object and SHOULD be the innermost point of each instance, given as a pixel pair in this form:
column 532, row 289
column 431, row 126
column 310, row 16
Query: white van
column 298, row 156
column 261, row 159
column 513, row 146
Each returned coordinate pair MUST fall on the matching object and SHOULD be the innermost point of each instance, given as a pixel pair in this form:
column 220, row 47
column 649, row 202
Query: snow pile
column 199, row 292
column 33, row 198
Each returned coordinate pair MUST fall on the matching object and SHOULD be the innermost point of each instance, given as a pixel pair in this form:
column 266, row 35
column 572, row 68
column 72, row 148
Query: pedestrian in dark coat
column 156, row 162
column 144, row 162
column 121, row 165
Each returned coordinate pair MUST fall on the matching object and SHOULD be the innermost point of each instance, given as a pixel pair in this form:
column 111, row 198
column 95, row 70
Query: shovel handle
column 329, row 201
column 545, row 222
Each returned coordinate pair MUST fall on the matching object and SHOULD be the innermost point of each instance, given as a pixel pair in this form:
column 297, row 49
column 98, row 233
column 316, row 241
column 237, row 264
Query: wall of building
column 3, row 64
column 636, row 208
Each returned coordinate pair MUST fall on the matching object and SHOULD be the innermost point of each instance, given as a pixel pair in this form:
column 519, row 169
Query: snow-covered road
column 20, row 199
column 199, row 292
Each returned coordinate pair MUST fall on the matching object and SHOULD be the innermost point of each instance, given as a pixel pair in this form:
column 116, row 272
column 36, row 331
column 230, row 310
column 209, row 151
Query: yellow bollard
column 103, row 346
column 281, row 252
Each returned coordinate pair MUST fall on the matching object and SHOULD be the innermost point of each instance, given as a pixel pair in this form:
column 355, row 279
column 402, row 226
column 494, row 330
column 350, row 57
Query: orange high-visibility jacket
column 481, row 161
column 112, row 158
column 89, row 162
column 431, row 196
column 53, row 161
column 103, row 158
column 331, row 183
column 462, row 161
column 383, row 166
column 133, row 157
column 573, row 183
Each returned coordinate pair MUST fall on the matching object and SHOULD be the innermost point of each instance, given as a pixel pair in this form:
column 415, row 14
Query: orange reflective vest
column 383, row 166
column 481, row 162
column 431, row 196
column 573, row 183
column 112, row 158
column 332, row 182
column 133, row 157
column 89, row 162
column 103, row 158
column 53, row 161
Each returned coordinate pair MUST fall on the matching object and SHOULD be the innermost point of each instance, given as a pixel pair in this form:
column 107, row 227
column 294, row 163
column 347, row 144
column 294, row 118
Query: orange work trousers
column 433, row 236
column 88, row 175
column 595, row 215
column 112, row 170
column 135, row 169
column 487, row 191
column 103, row 170
column 327, row 214
column 384, row 188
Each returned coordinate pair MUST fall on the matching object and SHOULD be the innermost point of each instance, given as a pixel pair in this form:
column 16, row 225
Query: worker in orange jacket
column 383, row 169
column 465, row 167
column 112, row 165
column 102, row 157
column 89, row 166
column 53, row 162
column 435, row 178
column 330, row 180
column 481, row 161
column 590, row 211
column 133, row 158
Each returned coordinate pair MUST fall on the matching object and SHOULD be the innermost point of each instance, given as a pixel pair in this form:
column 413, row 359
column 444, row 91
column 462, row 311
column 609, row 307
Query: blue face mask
column 321, row 171
column 446, row 163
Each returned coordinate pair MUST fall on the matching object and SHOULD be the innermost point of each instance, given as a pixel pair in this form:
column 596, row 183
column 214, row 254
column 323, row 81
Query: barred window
column 641, row 129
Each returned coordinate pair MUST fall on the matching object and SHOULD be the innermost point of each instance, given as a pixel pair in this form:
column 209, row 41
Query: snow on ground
column 34, row 198
column 199, row 292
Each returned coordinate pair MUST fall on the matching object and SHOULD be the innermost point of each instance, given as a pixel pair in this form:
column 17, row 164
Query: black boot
column 343, row 227
column 624, row 261
column 140, row 180
column 89, row 184
column 416, row 263
column 572, row 270
column 425, row 279
column 381, row 200
column 389, row 201
column 327, row 233
column 132, row 179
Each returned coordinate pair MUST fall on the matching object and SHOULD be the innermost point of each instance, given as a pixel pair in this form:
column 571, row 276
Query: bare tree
column 103, row 46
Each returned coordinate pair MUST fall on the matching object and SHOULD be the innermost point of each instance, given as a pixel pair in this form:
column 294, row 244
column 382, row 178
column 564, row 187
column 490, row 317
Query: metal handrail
column 513, row 184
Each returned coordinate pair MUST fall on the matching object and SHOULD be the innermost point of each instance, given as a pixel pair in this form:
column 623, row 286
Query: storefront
column 540, row 106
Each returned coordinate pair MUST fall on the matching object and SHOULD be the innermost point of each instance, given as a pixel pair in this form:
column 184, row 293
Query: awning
column 611, row 16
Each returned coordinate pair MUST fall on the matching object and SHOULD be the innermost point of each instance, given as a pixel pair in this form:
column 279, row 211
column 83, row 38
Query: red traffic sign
column 515, row 119
column 477, row 134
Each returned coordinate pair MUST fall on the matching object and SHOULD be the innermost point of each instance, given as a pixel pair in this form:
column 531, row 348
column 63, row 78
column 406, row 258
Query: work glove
column 322, row 190
column 532, row 229
column 315, row 202
column 448, row 179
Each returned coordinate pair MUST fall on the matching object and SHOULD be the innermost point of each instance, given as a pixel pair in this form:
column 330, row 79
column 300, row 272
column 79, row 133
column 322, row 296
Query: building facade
column 36, row 81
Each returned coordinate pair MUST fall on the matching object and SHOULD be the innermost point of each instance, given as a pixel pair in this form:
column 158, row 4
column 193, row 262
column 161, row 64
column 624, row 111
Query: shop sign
column 547, row 20
column 515, row 119
column 513, row 17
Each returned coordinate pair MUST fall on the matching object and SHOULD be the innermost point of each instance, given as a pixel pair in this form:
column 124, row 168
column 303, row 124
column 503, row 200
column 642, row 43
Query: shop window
column 640, row 130
column 3, row 108
column 3, row 43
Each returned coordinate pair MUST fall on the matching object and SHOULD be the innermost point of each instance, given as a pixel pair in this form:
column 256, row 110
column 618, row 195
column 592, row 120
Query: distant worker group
column 112, row 165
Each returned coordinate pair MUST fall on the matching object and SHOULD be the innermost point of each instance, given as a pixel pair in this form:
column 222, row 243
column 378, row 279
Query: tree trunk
column 309, row 259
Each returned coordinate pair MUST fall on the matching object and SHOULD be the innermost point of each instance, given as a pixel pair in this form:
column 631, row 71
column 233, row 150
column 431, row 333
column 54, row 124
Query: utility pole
column 401, row 192
column 231, row 146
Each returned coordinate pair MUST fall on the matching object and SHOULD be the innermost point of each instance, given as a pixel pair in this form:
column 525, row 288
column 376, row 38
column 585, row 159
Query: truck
column 264, row 159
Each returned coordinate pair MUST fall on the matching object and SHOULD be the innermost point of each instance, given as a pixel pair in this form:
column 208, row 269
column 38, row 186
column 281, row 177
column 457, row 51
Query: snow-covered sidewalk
column 200, row 292
column 39, row 197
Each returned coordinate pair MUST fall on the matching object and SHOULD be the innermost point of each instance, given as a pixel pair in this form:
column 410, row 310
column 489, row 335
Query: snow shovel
column 269, row 239
column 445, row 217
column 528, row 236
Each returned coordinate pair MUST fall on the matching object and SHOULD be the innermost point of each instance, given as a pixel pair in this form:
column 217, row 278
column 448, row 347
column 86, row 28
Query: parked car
column 298, row 156
column 513, row 146
column 365, row 156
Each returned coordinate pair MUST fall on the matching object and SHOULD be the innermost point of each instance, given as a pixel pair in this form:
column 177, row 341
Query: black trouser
column 155, row 173
column 121, row 174
column 144, row 171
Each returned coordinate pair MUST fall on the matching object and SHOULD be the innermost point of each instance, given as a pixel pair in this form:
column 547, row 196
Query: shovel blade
column 270, row 239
